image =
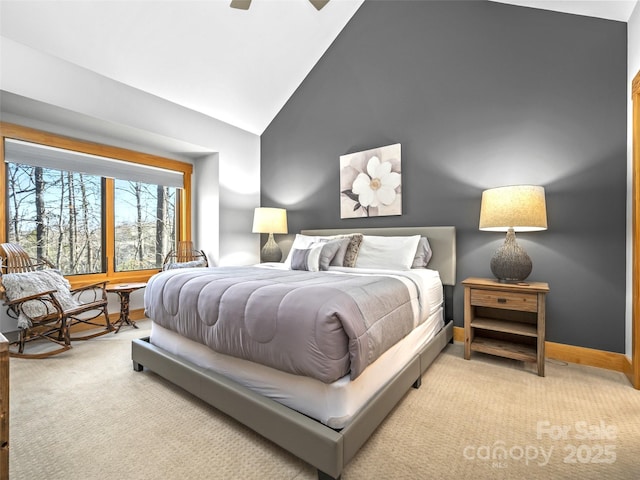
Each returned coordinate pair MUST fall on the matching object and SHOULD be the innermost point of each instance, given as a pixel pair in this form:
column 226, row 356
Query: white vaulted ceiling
column 233, row 65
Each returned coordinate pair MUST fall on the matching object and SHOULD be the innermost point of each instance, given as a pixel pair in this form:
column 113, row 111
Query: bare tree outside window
column 144, row 224
column 44, row 214
column 57, row 215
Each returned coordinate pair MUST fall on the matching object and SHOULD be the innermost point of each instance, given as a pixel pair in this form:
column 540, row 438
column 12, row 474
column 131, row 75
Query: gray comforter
column 318, row 324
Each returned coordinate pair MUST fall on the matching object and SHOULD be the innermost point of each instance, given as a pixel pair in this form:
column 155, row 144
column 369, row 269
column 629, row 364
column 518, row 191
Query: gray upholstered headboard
column 441, row 239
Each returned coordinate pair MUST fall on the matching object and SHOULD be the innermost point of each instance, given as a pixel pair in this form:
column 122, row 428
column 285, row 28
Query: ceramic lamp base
column 510, row 263
column 271, row 251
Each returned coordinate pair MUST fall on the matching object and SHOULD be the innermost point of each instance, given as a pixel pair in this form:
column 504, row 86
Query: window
column 144, row 224
column 92, row 210
column 56, row 215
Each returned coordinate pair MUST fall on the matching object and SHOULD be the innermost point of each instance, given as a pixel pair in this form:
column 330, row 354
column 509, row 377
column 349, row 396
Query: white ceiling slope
column 233, row 65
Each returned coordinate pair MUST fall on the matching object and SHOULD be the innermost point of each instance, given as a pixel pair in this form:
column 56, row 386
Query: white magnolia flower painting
column 370, row 183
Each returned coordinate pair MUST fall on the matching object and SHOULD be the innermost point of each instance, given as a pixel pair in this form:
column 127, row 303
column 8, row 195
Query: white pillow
column 390, row 253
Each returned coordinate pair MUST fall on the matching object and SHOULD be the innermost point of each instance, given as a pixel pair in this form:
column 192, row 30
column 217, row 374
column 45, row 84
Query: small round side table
column 123, row 290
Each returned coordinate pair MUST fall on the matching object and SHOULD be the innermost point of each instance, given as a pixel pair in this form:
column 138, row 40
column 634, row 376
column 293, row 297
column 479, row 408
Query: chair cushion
column 19, row 285
column 191, row 264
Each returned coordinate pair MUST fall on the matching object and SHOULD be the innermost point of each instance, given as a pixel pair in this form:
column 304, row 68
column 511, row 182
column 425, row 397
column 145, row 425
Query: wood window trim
column 634, row 374
column 183, row 228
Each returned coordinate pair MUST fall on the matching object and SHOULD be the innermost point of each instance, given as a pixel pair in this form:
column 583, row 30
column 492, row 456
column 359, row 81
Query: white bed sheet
column 333, row 404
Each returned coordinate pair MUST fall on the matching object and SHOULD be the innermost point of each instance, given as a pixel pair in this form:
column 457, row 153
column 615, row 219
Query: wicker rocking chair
column 40, row 298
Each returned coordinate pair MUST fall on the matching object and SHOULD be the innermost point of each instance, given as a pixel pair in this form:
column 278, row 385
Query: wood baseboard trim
column 628, row 371
column 579, row 355
column 458, row 334
column 586, row 356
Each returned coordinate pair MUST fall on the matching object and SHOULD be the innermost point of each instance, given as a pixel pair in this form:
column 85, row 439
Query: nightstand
column 505, row 319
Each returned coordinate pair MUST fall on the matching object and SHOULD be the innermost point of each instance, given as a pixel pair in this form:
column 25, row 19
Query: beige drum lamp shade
column 517, row 208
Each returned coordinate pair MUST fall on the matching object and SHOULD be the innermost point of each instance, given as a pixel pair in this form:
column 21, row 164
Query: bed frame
column 326, row 449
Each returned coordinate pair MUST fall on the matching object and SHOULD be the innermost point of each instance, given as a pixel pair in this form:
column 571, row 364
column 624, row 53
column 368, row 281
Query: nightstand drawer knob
column 502, row 300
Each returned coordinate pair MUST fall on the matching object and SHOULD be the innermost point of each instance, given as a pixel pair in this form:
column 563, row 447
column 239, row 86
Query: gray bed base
column 326, row 449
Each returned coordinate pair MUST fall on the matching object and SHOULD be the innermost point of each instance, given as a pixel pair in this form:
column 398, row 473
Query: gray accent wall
column 479, row 94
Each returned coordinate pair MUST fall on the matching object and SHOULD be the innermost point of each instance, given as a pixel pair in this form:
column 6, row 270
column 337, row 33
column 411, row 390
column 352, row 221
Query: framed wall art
column 371, row 183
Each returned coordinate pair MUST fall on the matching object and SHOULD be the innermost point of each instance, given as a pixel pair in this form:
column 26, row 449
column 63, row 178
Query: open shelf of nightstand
column 505, row 326
column 507, row 349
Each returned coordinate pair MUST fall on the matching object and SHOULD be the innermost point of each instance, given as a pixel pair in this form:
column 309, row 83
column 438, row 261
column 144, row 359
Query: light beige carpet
column 85, row 414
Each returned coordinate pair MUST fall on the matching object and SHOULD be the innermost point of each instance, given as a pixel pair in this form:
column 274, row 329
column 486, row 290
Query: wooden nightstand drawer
column 523, row 302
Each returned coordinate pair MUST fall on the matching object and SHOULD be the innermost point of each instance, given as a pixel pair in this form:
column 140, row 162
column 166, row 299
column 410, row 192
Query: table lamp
column 270, row 220
column 517, row 208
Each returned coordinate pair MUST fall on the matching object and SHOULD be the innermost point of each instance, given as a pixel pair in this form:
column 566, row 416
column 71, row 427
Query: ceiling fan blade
column 241, row 4
column 318, row 3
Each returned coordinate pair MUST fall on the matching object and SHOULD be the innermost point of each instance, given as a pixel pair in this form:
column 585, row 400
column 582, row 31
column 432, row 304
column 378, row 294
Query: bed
column 324, row 420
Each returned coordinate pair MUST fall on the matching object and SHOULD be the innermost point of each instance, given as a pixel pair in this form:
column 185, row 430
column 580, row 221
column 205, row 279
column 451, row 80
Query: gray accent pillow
column 330, row 251
column 306, row 258
column 300, row 260
column 423, row 254
column 318, row 256
column 338, row 259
